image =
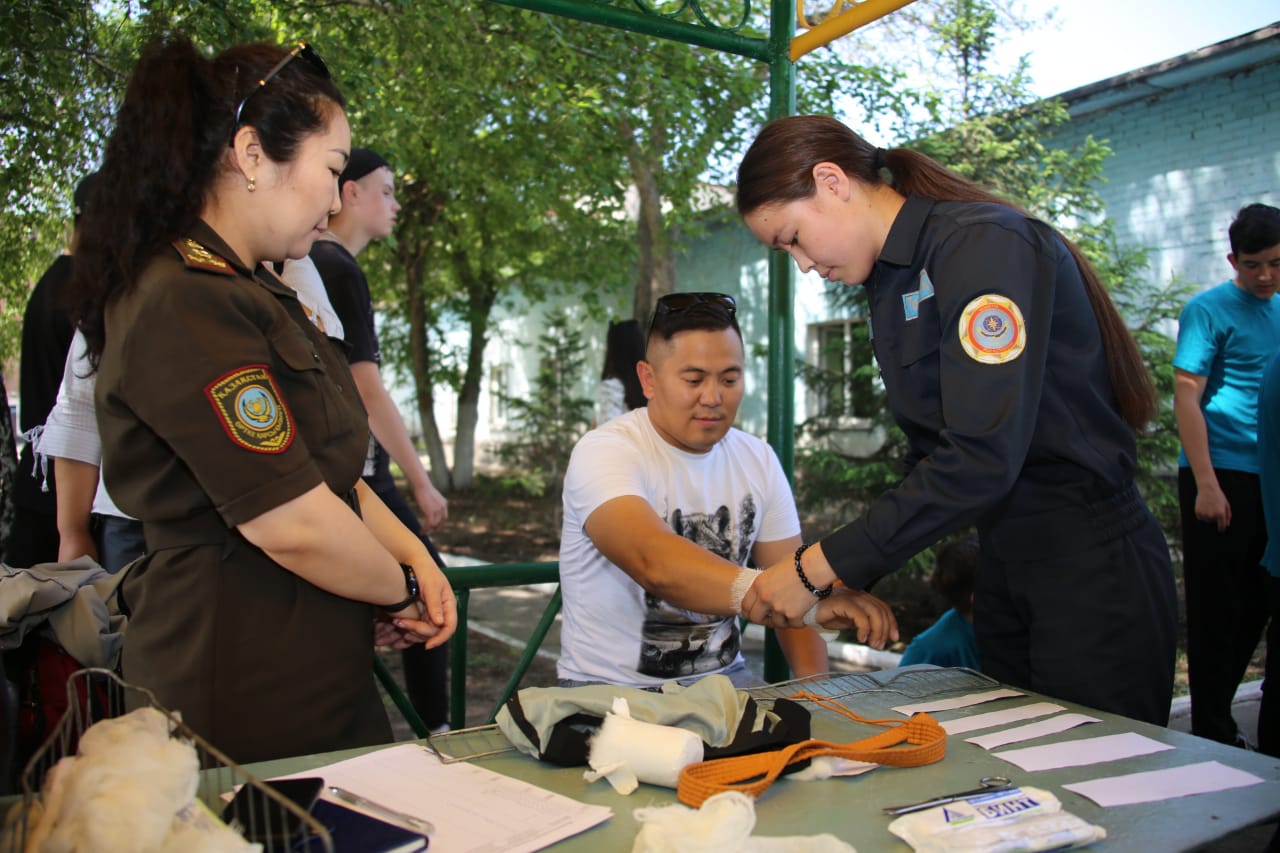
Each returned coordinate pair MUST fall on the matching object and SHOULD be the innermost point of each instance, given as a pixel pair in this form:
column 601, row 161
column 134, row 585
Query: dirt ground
column 499, row 526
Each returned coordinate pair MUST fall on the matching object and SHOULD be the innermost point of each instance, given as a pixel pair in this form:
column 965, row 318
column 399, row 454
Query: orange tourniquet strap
column 753, row 774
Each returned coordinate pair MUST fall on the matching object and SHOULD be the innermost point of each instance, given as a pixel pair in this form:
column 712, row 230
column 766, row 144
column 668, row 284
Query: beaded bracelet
column 820, row 593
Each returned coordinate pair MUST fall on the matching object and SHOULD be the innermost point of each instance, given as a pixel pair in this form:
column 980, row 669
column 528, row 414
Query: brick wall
column 1185, row 160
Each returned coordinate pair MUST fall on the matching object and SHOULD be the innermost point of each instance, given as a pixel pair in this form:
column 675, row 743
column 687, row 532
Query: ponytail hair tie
column 879, row 160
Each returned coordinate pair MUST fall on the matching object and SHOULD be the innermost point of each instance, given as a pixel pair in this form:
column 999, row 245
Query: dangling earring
column 253, row 184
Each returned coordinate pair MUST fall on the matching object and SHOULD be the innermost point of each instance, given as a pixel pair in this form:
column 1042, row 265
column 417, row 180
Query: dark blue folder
column 356, row 832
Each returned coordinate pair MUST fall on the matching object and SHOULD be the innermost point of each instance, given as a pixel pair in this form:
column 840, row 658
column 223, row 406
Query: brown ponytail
column 778, row 168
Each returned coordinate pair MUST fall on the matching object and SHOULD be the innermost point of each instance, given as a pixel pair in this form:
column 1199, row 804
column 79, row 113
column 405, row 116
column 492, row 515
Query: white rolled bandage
column 746, row 577
column 811, row 616
column 626, row 752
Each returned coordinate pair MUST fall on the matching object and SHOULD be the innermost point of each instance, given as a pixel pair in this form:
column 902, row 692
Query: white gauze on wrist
column 811, row 616
column 746, row 577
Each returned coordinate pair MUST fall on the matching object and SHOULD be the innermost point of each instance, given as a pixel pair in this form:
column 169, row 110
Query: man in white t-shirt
column 663, row 508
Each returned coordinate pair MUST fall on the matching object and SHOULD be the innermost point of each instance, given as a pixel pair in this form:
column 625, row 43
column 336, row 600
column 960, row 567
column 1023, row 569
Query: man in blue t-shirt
column 1226, row 337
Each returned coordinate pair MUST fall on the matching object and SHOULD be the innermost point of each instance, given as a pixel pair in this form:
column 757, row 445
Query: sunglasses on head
column 302, row 49
column 672, row 303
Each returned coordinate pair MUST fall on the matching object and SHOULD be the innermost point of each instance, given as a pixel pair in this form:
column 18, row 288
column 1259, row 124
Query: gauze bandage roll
column 742, row 583
column 626, row 751
column 723, row 824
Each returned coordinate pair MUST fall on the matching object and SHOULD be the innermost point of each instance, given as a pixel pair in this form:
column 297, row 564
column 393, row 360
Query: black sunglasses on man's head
column 672, row 303
column 302, row 49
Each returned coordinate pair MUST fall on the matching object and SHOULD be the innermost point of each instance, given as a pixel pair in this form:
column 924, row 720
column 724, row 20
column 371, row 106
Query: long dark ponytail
column 172, row 133
column 778, row 168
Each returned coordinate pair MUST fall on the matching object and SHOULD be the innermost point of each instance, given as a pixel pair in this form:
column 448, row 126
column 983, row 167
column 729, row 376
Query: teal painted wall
column 1186, row 159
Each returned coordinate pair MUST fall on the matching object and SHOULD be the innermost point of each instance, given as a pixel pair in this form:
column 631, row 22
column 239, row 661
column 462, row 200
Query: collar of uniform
column 900, row 245
column 207, row 237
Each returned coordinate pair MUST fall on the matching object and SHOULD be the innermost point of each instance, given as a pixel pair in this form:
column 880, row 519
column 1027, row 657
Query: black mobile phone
column 262, row 820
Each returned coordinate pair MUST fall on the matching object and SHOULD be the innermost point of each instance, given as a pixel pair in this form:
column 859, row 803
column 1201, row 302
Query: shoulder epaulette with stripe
column 198, row 257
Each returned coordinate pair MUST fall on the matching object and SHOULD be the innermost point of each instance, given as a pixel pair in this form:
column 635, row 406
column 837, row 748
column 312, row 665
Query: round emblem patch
column 991, row 330
column 250, row 409
column 256, row 408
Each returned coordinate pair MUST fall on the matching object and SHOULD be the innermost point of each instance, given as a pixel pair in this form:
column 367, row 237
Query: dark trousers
column 33, row 539
column 1078, row 603
column 1269, row 712
column 426, row 671
column 1226, row 595
column 119, row 541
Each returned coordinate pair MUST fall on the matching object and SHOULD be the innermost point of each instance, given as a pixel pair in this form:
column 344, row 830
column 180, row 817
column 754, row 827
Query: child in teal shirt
column 950, row 641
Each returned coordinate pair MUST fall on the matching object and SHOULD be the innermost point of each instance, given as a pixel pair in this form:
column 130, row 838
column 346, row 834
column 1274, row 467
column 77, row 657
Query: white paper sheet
column 1077, row 753
column 1163, row 784
column 999, row 718
column 473, row 809
column 1051, row 726
column 957, row 702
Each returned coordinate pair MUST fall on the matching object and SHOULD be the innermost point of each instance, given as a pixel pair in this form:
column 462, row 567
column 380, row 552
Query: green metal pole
column 782, row 384
column 458, row 663
column 463, row 579
column 782, row 102
column 653, row 25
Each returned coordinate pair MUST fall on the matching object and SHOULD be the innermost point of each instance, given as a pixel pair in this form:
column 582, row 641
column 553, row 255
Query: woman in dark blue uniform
column 230, row 425
column 1019, row 390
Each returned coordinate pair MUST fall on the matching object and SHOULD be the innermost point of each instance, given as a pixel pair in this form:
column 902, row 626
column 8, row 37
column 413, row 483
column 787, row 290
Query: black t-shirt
column 348, row 291
column 46, row 337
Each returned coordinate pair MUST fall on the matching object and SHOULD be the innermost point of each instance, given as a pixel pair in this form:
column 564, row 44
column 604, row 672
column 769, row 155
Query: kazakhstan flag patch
column 249, row 406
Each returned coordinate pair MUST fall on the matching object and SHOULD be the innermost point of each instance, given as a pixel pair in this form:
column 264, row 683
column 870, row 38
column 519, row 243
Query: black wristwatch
column 410, row 585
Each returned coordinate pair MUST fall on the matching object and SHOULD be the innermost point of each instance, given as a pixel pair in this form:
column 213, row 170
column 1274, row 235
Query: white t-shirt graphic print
column 724, row 500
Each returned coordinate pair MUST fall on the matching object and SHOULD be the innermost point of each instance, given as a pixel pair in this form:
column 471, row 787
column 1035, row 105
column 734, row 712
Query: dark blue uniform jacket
column 1002, row 442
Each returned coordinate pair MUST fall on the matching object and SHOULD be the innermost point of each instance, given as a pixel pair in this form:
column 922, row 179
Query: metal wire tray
column 218, row 777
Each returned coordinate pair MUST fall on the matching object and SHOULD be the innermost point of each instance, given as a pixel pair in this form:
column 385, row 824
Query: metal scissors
column 986, row 785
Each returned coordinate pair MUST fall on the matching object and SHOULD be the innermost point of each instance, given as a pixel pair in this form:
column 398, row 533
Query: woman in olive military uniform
column 1019, row 390
column 230, row 425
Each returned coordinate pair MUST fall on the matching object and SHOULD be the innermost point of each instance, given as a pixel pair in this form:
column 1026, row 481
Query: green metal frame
column 463, row 579
column 775, row 52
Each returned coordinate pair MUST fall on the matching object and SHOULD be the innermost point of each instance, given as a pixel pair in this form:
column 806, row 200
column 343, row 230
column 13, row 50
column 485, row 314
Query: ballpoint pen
column 408, row 821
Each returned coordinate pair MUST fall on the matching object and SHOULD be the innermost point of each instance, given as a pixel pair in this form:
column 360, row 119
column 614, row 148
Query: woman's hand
column 778, row 598
column 872, row 619
column 387, row 636
column 430, row 620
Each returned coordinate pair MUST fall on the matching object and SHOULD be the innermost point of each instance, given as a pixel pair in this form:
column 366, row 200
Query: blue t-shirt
column 1227, row 335
column 1269, row 460
column 948, row 642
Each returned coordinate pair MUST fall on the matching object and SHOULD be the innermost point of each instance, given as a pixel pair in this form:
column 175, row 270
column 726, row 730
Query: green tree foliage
column 552, row 419
column 985, row 124
column 61, row 64
column 63, row 67
column 515, row 137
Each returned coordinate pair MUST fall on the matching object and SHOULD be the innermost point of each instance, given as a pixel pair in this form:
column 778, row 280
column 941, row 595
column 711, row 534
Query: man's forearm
column 1193, row 432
